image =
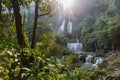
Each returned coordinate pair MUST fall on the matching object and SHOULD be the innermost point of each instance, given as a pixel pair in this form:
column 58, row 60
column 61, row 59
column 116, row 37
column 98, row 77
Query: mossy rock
column 82, row 58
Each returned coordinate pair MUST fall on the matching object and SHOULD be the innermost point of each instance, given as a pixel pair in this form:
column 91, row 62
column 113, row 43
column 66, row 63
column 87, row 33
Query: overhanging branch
column 44, row 13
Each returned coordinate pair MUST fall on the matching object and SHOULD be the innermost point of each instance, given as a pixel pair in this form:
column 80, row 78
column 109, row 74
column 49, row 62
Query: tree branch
column 44, row 13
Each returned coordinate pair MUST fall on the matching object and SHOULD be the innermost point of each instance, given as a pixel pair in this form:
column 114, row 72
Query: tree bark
column 0, row 10
column 19, row 24
column 35, row 25
column 37, row 15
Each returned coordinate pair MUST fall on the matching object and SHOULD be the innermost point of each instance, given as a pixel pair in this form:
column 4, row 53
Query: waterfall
column 98, row 61
column 88, row 60
column 62, row 27
column 69, row 27
column 75, row 47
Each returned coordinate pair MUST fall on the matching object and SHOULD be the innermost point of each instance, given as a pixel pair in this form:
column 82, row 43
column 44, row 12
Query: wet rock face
column 76, row 60
column 93, row 60
column 79, row 58
column 82, row 58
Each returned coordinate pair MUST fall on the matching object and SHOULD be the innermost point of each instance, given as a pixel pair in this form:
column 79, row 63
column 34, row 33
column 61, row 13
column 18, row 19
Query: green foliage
column 8, row 5
column 98, row 27
column 69, row 60
column 44, row 27
column 62, row 39
column 48, row 45
column 115, row 37
column 35, row 67
column 111, row 11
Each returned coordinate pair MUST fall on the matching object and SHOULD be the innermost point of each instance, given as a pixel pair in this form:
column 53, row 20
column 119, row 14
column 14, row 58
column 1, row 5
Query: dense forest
column 59, row 40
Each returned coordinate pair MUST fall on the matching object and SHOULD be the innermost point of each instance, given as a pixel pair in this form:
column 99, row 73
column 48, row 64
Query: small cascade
column 88, row 60
column 75, row 47
column 98, row 61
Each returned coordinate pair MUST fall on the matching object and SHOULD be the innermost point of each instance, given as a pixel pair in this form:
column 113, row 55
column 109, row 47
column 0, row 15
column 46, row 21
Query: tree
column 45, row 7
column 19, row 23
column 15, row 5
column 0, row 9
column 35, row 24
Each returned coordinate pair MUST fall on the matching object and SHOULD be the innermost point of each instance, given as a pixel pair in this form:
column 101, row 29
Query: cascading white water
column 69, row 27
column 62, row 26
column 98, row 61
column 75, row 47
column 88, row 60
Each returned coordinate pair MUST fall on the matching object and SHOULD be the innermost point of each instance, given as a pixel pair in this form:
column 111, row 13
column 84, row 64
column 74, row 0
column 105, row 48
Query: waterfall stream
column 62, row 26
column 75, row 47
column 96, row 61
column 69, row 27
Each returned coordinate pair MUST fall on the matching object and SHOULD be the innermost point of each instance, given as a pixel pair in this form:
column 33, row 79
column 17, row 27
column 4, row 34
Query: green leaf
column 69, row 60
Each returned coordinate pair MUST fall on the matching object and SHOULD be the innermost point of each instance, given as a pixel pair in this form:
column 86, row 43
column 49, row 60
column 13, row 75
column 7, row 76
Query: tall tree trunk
column 0, row 10
column 19, row 24
column 35, row 25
